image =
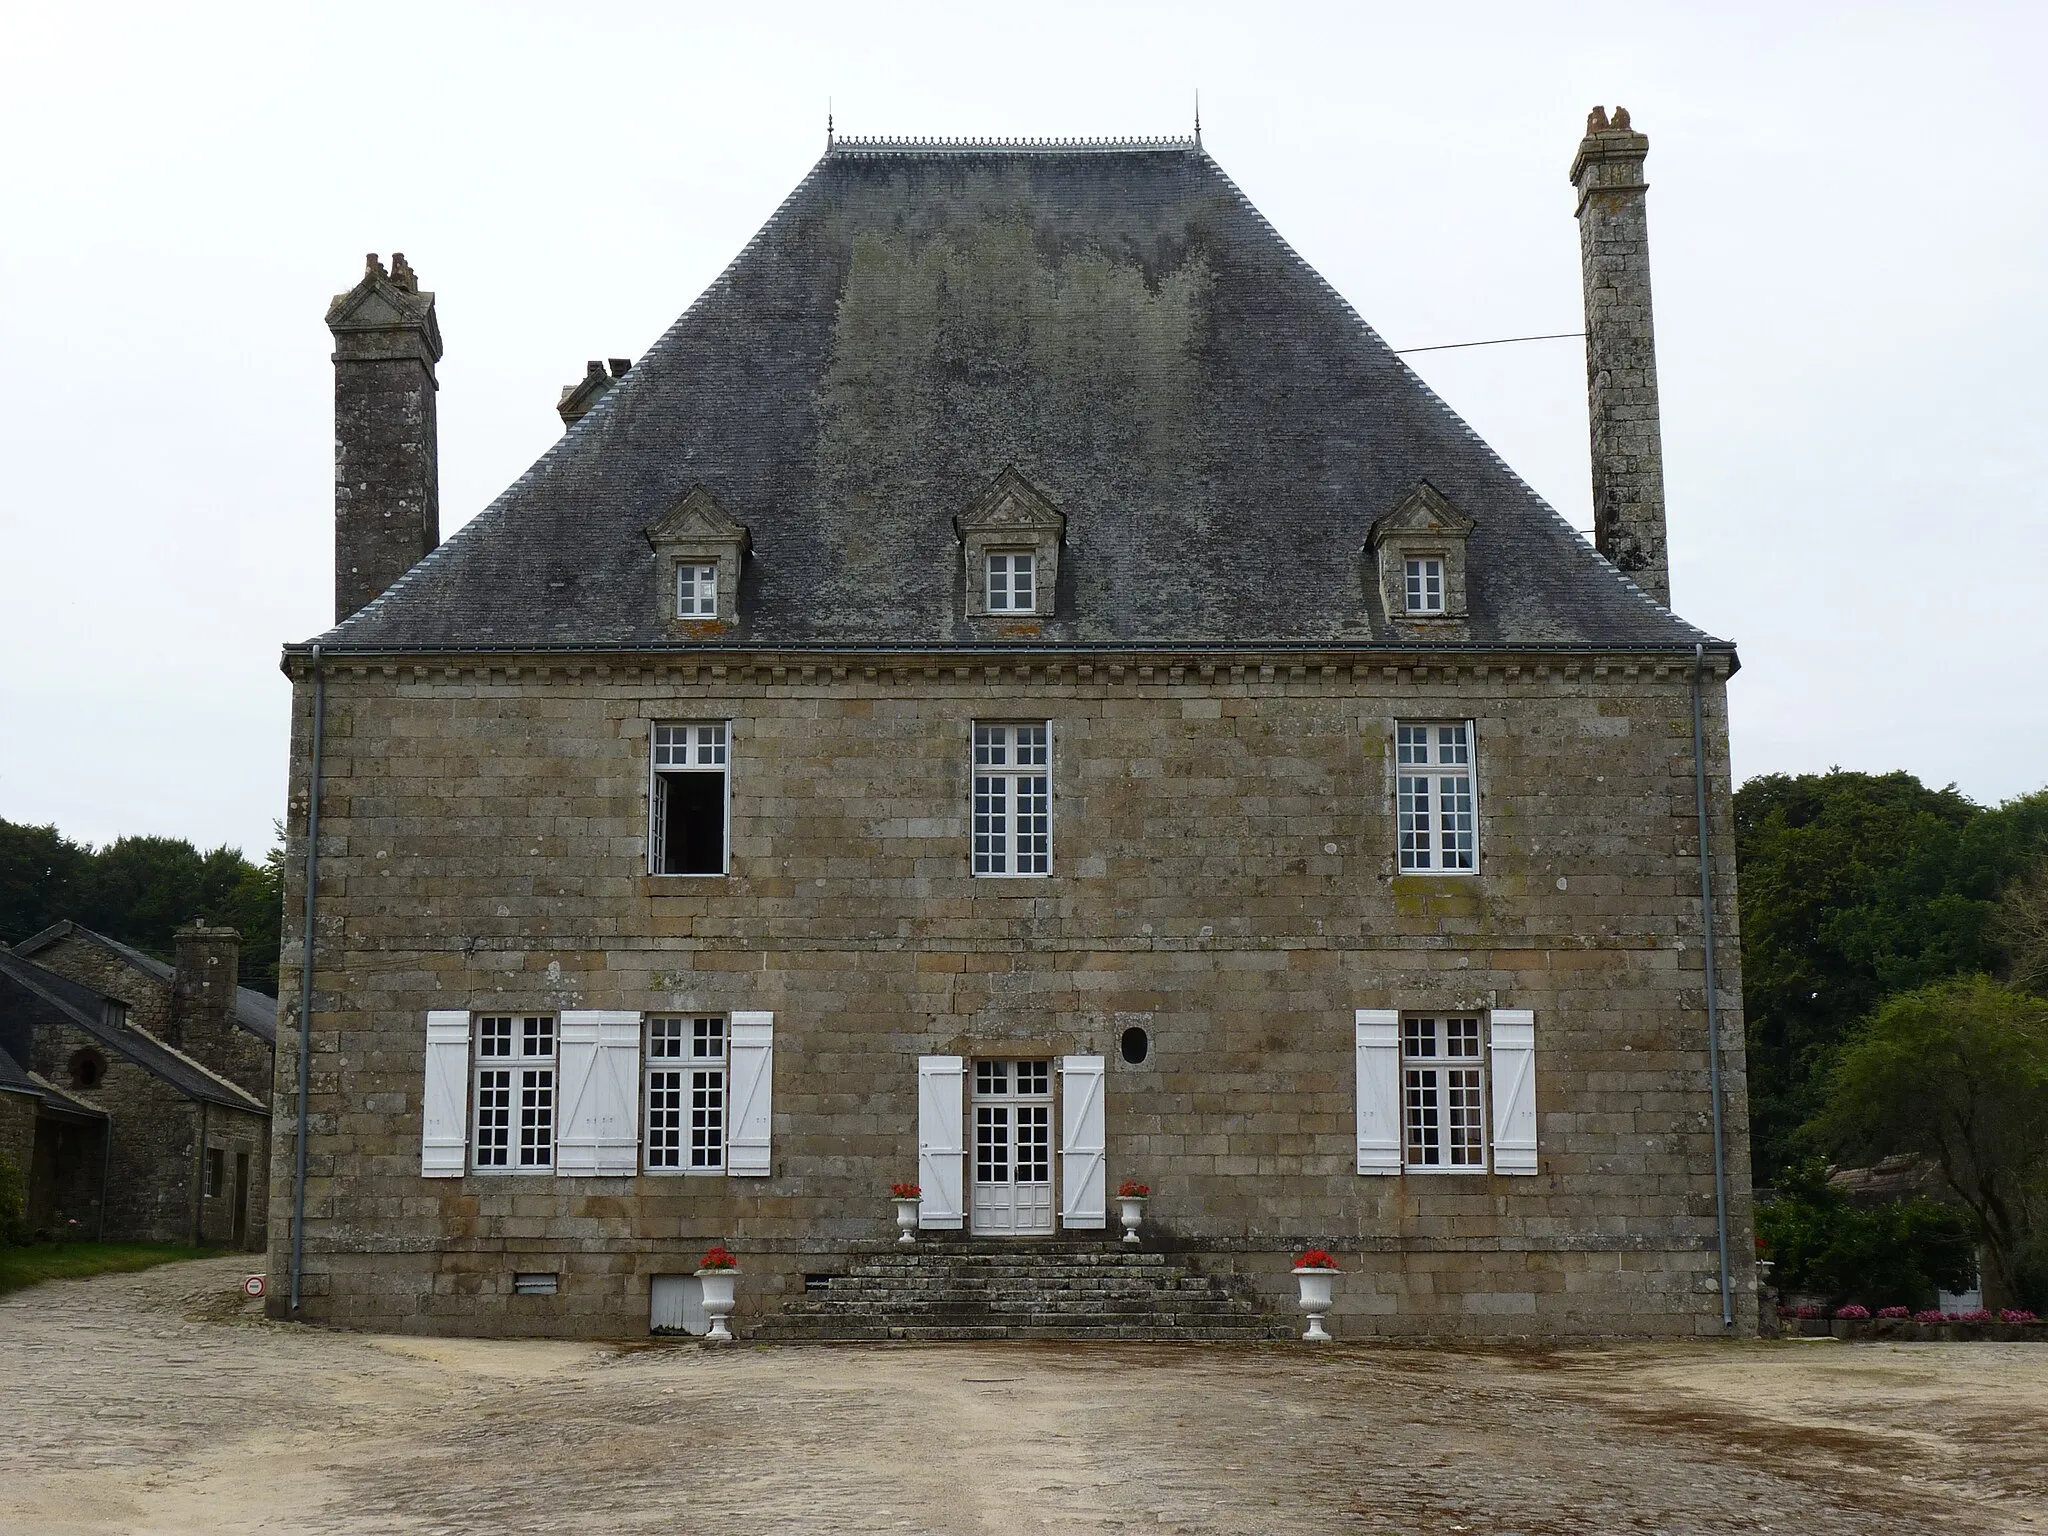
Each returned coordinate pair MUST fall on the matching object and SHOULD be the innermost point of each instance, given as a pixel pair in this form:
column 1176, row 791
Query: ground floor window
column 686, row 1094
column 1443, row 1096
column 515, row 1093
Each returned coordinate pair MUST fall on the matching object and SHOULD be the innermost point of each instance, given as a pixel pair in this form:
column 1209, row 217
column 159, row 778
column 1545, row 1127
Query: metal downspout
column 1699, row 788
column 306, row 979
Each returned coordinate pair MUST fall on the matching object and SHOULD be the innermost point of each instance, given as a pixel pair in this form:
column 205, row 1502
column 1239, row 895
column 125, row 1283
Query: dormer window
column 1011, row 582
column 1010, row 542
column 1419, row 551
column 698, row 553
column 697, row 590
column 1426, row 586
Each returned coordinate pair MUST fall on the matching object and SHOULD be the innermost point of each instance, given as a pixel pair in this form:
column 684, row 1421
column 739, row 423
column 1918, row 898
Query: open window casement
column 752, row 1105
column 444, row 1102
column 1084, row 1171
column 600, row 1065
column 1378, row 1041
column 1512, row 1044
column 941, row 1142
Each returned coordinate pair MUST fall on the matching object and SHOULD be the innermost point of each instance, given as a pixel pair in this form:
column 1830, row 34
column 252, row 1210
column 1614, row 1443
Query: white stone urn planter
column 1318, row 1286
column 719, row 1286
column 1132, row 1209
column 906, row 1219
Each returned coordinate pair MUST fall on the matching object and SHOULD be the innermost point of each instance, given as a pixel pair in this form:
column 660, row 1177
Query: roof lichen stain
column 963, row 350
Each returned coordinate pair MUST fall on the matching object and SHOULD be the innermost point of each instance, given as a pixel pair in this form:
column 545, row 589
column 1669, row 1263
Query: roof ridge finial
column 828, row 124
column 1198, row 117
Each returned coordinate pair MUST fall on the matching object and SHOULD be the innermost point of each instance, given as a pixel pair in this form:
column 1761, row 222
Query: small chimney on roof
column 578, row 398
column 387, row 478
column 203, row 989
column 1621, row 351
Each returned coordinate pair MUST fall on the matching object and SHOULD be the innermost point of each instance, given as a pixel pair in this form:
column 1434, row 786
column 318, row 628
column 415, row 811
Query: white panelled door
column 1012, row 1161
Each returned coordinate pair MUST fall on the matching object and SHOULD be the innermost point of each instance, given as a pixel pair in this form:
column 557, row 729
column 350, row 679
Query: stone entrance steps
column 1022, row 1289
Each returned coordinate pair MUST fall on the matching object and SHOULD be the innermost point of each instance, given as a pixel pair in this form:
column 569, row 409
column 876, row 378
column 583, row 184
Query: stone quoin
column 1018, row 688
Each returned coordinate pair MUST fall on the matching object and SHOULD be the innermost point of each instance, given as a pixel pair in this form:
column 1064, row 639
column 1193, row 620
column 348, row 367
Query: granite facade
column 1223, row 876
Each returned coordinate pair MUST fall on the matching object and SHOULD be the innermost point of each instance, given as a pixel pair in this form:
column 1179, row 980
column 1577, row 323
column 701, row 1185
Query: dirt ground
column 163, row 1402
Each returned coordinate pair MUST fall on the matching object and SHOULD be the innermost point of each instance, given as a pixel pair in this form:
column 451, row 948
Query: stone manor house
column 1018, row 689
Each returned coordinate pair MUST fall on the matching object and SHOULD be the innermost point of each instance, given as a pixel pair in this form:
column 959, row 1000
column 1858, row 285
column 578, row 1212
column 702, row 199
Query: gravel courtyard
column 163, row 1402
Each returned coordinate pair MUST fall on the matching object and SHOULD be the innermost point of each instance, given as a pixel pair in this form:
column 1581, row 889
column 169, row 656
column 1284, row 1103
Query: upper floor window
column 1437, row 814
column 1425, row 586
column 1443, row 1098
column 515, row 1093
column 686, row 1095
column 687, row 797
column 697, row 591
column 1012, row 577
column 1012, row 799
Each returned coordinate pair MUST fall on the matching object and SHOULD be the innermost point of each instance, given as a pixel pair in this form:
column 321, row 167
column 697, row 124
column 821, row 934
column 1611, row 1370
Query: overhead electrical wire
column 1499, row 341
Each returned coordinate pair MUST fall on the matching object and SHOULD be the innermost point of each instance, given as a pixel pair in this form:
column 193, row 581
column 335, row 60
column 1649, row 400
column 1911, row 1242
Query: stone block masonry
column 1621, row 352
column 1223, row 876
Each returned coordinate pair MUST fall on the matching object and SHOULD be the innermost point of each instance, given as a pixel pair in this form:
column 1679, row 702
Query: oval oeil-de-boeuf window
column 1135, row 1045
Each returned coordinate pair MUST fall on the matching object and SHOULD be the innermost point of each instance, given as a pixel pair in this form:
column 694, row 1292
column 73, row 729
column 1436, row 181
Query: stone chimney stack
column 1621, row 351
column 203, row 990
column 387, row 483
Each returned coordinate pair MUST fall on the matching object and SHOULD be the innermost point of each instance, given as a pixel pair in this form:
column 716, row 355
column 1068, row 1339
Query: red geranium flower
column 1131, row 1189
column 905, row 1191
column 718, row 1258
column 1315, row 1258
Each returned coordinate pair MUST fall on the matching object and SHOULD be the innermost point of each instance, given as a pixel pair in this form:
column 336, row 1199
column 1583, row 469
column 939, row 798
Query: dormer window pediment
column 698, row 552
column 1418, row 553
column 1010, row 542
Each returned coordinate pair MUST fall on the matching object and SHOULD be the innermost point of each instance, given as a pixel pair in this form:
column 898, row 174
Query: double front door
column 1012, row 1116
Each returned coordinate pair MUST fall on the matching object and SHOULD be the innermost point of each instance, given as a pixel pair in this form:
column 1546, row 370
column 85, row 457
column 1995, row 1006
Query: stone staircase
column 1027, row 1288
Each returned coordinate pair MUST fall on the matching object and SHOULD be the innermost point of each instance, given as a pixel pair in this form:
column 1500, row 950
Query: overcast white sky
column 1847, row 235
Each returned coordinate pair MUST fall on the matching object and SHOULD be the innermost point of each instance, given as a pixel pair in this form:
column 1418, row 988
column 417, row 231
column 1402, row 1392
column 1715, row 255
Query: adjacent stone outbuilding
column 130, row 1139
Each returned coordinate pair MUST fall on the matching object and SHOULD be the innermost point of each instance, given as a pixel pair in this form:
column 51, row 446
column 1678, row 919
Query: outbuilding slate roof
column 255, row 1012
column 1118, row 323
column 24, row 985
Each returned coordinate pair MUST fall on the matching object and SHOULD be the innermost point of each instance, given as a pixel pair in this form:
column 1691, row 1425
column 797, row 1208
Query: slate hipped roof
column 1117, row 323
column 255, row 1012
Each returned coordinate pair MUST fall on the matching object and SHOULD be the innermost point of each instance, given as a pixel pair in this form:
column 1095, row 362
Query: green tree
column 141, row 890
column 1957, row 1072
column 2023, row 929
column 41, row 871
column 1855, row 886
column 1898, row 1253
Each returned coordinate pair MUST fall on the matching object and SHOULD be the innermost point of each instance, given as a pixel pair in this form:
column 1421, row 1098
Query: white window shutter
column 598, row 1129
column 1084, row 1172
column 1513, row 1045
column 444, row 1104
column 941, row 1141
column 1378, row 1033
column 750, row 1096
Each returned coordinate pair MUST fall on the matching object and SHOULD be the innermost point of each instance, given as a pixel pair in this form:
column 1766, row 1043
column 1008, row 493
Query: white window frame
column 1436, row 797
column 531, row 1089
column 705, row 747
column 1423, row 584
column 1014, row 563
column 1010, row 782
column 686, row 1094
column 1444, row 1093
column 696, row 589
